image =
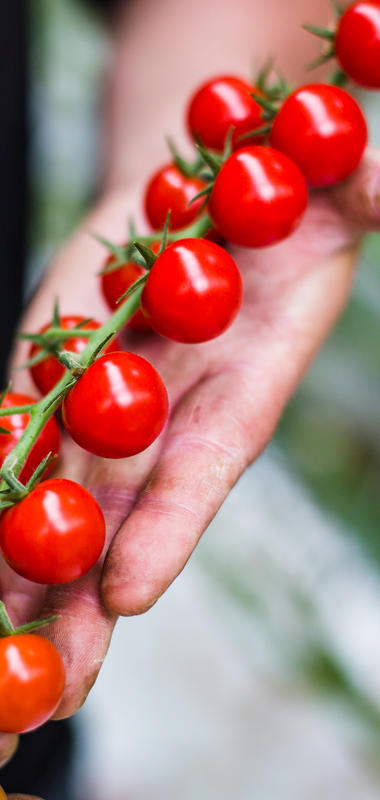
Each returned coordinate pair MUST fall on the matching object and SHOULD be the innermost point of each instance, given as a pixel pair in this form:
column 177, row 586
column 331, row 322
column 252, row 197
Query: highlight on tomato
column 220, row 104
column 32, row 680
column 193, row 292
column 48, row 441
column 48, row 372
column 323, row 130
column 258, row 198
column 118, row 407
column 53, row 535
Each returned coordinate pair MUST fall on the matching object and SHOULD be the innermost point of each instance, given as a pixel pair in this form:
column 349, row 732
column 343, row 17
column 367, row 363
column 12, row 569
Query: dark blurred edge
column 13, row 168
column 42, row 763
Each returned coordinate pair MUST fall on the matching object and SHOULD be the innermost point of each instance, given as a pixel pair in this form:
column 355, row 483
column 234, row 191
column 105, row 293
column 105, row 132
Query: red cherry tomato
column 32, row 680
column 357, row 43
column 47, row 442
column 193, row 292
column 170, row 190
column 258, row 198
column 55, row 534
column 117, row 281
column 48, row 372
column 218, row 105
column 118, row 407
column 323, row 130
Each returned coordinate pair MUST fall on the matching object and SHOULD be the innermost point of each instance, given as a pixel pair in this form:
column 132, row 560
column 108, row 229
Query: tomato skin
column 32, row 680
column 48, row 372
column 357, row 43
column 259, row 197
column 219, row 104
column 170, row 190
column 194, row 291
column 115, row 283
column 323, row 130
column 48, row 441
column 118, row 407
column 55, row 534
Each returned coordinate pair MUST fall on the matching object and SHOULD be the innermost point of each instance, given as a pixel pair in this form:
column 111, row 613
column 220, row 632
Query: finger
column 217, row 429
column 359, row 196
column 84, row 628
column 8, row 747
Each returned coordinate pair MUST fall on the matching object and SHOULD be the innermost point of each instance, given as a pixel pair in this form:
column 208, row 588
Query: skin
column 226, row 395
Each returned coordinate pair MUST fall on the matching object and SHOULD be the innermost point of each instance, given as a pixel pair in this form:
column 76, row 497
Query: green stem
column 6, row 627
column 8, row 412
column 41, row 411
column 11, row 490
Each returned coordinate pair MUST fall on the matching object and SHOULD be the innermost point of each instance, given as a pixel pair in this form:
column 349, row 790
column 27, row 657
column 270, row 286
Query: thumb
column 358, row 197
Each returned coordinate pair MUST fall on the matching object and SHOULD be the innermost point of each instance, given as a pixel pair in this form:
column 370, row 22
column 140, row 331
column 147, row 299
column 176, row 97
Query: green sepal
column 115, row 250
column 35, row 625
column 338, row 78
column 337, row 8
column 322, row 33
column 213, row 160
column 36, row 359
column 262, row 131
column 189, row 169
column 203, row 193
column 164, row 237
column 141, row 280
column 39, row 471
column 4, row 431
column 149, row 257
column 56, row 318
column 269, row 108
column 323, row 59
column 4, row 393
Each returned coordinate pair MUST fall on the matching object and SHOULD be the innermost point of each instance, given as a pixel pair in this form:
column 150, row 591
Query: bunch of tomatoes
column 260, row 148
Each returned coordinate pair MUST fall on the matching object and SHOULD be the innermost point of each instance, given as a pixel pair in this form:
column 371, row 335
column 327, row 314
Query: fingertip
column 128, row 599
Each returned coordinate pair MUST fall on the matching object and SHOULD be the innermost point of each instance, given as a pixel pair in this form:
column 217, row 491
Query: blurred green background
column 294, row 591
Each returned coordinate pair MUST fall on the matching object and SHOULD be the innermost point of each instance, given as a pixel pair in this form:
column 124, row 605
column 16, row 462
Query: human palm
column 226, row 397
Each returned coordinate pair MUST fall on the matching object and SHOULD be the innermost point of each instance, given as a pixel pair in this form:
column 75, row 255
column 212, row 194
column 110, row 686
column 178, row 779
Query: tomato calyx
column 190, row 169
column 8, row 629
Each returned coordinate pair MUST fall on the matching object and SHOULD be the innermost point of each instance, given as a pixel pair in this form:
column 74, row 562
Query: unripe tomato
column 118, row 407
column 218, row 105
column 48, row 372
column 48, row 441
column 193, row 291
column 258, row 198
column 117, row 281
column 357, row 43
column 170, row 190
column 323, row 130
column 32, row 680
column 55, row 534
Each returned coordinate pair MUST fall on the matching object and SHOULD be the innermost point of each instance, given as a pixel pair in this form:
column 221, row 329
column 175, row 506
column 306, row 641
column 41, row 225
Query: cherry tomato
column 258, row 198
column 48, row 372
column 117, row 281
column 170, row 190
column 32, row 680
column 47, row 442
column 193, row 292
column 218, row 105
column 118, row 407
column 357, row 43
column 322, row 128
column 55, row 534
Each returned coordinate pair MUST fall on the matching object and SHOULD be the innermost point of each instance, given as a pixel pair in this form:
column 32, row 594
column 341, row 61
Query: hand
column 226, row 398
